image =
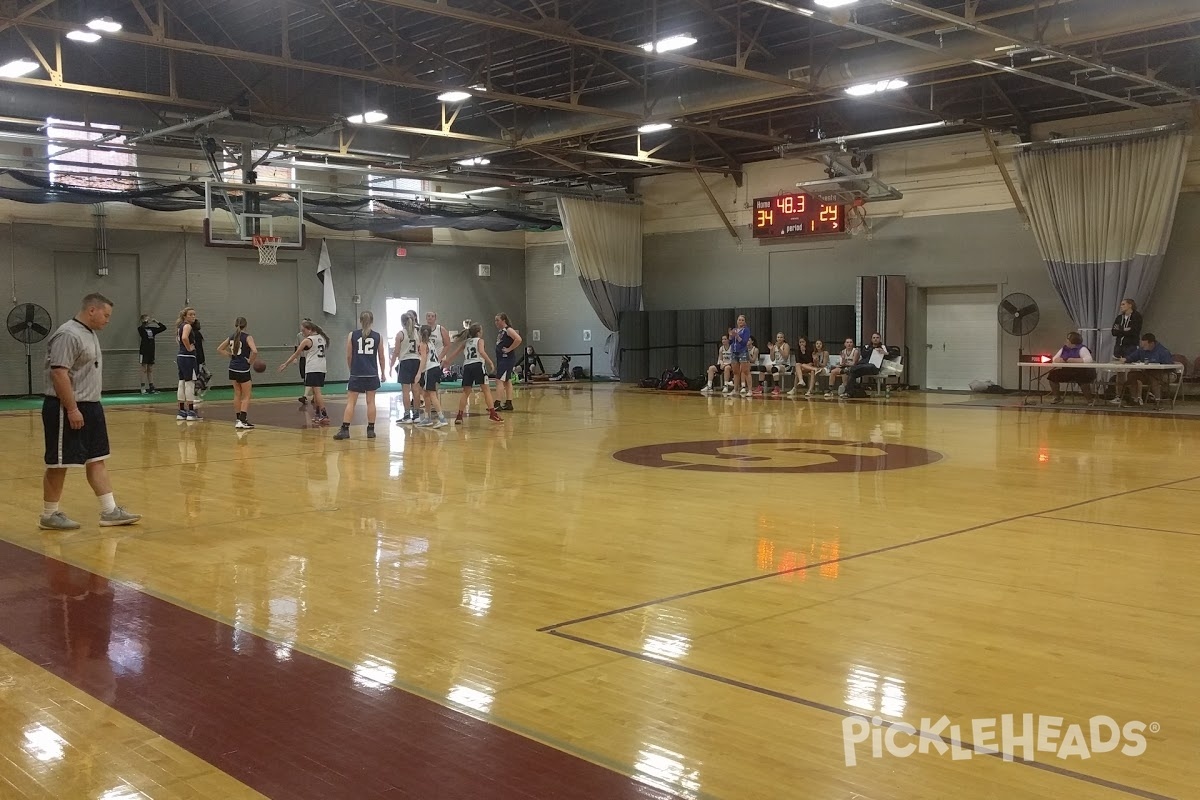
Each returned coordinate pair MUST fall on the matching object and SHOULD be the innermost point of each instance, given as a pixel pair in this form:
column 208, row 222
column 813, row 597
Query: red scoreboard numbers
column 796, row 215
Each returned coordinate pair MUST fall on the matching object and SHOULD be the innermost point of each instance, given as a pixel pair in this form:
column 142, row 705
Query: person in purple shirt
column 739, row 339
column 1150, row 351
column 1072, row 352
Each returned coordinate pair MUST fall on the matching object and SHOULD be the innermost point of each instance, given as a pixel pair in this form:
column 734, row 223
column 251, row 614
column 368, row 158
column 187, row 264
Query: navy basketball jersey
column 503, row 342
column 239, row 353
column 183, row 351
column 364, row 358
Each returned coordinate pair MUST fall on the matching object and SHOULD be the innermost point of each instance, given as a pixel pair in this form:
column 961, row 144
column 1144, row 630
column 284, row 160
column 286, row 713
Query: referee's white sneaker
column 58, row 521
column 118, row 516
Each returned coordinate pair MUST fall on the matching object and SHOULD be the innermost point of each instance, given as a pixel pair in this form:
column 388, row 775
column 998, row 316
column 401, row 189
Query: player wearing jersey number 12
column 364, row 357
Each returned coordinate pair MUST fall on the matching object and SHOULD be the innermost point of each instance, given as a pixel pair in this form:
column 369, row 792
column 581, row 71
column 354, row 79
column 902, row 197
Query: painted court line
column 1118, row 525
column 841, row 712
column 817, row 565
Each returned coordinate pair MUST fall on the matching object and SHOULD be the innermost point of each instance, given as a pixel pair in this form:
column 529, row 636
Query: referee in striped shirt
column 73, row 419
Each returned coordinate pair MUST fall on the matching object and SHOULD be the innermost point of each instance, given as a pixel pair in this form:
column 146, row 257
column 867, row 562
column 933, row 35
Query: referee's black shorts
column 66, row 447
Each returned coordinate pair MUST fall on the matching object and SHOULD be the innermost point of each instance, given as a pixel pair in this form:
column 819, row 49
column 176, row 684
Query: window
column 121, row 179
column 273, row 173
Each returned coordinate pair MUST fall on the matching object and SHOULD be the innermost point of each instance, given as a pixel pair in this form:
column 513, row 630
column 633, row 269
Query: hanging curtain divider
column 1094, row 138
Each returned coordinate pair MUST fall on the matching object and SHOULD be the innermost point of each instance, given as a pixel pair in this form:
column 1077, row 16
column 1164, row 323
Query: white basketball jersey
column 473, row 352
column 314, row 357
column 434, row 361
column 408, row 347
column 435, row 341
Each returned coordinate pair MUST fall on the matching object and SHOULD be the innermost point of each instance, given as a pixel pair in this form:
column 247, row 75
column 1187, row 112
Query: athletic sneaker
column 343, row 433
column 706, row 390
column 1116, row 401
column 496, row 405
column 303, row 400
column 425, row 423
column 493, row 416
column 58, row 521
column 370, row 433
column 441, row 423
column 507, row 406
column 744, row 392
column 247, row 425
column 728, row 390
column 182, row 415
column 118, row 516
column 776, row 392
column 458, row 419
column 758, row 389
column 192, row 416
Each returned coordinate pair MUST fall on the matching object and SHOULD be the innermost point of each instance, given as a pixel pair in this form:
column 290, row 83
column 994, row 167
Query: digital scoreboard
column 796, row 215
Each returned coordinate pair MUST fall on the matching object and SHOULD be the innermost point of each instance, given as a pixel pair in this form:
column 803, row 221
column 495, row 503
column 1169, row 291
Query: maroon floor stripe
column 291, row 728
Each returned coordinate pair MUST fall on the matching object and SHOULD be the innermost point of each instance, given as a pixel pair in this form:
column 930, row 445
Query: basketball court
column 695, row 593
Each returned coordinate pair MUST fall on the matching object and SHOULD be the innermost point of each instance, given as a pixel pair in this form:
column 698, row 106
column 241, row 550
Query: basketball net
column 268, row 249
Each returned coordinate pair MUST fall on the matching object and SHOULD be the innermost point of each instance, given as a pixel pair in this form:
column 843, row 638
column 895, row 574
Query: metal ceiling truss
column 423, row 57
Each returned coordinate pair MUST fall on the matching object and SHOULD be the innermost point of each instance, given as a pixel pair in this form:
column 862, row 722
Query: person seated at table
column 1150, row 351
column 1073, row 352
column 723, row 367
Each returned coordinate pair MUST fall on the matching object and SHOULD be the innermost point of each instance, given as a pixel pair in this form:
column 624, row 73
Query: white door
column 962, row 336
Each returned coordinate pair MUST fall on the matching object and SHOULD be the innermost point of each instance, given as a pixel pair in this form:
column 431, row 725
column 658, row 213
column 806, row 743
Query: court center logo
column 1027, row 737
column 766, row 456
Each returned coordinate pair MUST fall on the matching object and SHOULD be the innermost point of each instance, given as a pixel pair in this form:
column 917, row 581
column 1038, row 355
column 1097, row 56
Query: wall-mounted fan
column 29, row 324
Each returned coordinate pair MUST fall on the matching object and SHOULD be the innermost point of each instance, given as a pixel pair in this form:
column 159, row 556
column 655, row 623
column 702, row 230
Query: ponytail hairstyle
column 235, row 338
column 313, row 327
column 426, row 333
column 504, row 319
column 183, row 316
column 474, row 331
column 409, row 319
column 365, row 319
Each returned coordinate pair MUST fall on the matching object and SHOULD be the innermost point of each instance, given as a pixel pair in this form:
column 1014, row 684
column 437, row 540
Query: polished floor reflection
column 612, row 594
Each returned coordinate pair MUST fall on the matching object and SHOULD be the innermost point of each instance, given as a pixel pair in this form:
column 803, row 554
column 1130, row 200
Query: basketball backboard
column 236, row 212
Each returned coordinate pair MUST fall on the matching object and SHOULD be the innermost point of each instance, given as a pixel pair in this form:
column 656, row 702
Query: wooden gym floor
column 613, row 594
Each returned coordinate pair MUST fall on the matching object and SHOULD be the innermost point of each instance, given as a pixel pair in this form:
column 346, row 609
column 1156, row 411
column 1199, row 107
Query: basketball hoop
column 268, row 249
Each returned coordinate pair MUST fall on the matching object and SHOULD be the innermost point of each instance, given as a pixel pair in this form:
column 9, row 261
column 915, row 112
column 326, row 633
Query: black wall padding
column 831, row 324
column 662, row 341
column 792, row 320
column 717, row 322
column 635, row 333
column 759, row 320
column 690, row 350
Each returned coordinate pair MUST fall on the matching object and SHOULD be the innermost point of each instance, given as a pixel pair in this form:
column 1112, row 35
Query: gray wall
column 560, row 310
column 159, row 272
column 705, row 269
column 1171, row 314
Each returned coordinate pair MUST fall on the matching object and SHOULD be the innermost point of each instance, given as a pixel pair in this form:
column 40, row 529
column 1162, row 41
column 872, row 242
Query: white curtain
column 605, row 240
column 1102, row 215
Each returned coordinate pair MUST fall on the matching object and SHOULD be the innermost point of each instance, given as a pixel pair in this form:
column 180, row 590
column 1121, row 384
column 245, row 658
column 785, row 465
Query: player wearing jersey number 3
column 475, row 355
column 364, row 357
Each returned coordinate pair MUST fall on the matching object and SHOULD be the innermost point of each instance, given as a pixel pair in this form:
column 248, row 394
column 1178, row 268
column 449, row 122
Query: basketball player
column 147, row 330
column 474, row 355
column 241, row 351
column 429, row 375
column 406, row 360
column 507, row 343
column 73, row 419
column 304, row 398
column 364, row 357
column 313, row 347
column 189, row 369
column 440, row 337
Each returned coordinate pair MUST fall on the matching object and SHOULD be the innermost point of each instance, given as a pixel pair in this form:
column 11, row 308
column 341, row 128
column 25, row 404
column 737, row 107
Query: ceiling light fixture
column 84, row 36
column 15, row 69
column 106, row 24
column 454, row 97
column 368, row 117
column 677, row 42
column 834, row 3
column 655, row 127
column 478, row 161
column 865, row 89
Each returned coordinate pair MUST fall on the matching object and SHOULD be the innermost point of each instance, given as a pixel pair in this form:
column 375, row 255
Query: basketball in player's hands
column 260, row 366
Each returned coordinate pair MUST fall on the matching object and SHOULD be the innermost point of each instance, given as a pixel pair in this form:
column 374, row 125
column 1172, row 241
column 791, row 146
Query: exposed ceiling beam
column 26, row 14
column 986, row 30
column 842, row 21
column 385, row 77
column 557, row 30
